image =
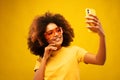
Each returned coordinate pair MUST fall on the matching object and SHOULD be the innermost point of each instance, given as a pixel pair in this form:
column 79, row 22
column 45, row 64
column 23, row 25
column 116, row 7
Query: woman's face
column 53, row 34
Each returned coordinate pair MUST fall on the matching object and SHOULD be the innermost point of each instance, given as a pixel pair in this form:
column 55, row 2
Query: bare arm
column 39, row 74
column 100, row 57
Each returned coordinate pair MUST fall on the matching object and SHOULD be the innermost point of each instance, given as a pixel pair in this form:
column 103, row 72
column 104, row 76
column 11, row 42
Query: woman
column 50, row 36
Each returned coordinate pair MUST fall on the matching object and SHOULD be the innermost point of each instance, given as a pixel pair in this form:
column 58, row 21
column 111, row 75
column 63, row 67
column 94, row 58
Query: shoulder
column 78, row 49
column 74, row 48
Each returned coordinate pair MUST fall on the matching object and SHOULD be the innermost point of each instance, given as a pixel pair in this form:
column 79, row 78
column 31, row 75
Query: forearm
column 100, row 57
column 39, row 74
column 101, row 54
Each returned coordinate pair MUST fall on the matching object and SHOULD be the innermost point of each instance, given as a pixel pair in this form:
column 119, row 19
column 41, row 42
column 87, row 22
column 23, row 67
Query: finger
column 51, row 48
column 94, row 29
column 94, row 16
column 92, row 23
column 52, row 45
column 91, row 18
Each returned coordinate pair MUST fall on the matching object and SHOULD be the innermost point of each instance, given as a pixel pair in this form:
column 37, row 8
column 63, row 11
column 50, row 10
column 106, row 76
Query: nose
column 56, row 34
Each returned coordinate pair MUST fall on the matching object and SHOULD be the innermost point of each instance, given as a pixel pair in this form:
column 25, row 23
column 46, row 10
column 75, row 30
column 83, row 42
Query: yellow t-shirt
column 64, row 65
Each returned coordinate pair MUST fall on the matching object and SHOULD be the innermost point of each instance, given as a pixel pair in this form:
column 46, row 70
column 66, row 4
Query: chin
column 57, row 43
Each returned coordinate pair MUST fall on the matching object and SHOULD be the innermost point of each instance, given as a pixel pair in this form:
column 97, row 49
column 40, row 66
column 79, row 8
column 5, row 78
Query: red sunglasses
column 51, row 33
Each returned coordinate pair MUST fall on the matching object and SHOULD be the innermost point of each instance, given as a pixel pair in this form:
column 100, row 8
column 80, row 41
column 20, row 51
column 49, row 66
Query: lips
column 56, row 39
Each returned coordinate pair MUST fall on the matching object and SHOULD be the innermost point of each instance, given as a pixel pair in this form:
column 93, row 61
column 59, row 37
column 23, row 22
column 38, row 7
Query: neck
column 58, row 47
column 55, row 52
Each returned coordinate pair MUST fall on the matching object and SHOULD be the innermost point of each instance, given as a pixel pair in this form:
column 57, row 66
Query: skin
column 98, row 59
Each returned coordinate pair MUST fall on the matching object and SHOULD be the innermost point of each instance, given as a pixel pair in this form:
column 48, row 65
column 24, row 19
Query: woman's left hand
column 94, row 24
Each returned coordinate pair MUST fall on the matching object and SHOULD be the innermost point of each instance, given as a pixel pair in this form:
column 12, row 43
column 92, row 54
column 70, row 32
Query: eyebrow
column 53, row 29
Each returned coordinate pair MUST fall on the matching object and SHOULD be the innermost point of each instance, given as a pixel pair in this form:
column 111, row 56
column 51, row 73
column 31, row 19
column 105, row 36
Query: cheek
column 47, row 38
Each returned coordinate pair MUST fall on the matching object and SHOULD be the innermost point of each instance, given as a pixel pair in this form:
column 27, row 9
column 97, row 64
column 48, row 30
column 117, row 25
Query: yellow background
column 16, row 61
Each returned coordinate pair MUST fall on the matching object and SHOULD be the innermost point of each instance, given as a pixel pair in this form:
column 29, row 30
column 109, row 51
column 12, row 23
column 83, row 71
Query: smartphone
column 90, row 11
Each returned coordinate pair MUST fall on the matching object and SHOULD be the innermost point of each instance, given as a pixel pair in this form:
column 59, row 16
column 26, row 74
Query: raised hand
column 94, row 24
column 48, row 50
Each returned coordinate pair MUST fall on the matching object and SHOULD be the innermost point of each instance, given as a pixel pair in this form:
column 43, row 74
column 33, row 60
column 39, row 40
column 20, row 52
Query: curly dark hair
column 37, row 47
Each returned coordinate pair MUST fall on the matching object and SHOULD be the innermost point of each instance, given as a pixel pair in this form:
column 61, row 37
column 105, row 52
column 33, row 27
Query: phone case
column 90, row 11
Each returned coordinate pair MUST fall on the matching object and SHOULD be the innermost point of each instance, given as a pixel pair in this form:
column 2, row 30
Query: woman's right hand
column 48, row 50
column 39, row 75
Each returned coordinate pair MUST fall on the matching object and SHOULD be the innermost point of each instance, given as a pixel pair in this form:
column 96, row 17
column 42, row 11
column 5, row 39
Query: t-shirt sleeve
column 37, row 65
column 80, row 53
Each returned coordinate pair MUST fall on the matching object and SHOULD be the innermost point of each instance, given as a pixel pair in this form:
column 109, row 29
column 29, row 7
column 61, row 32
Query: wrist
column 44, row 59
column 101, row 34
